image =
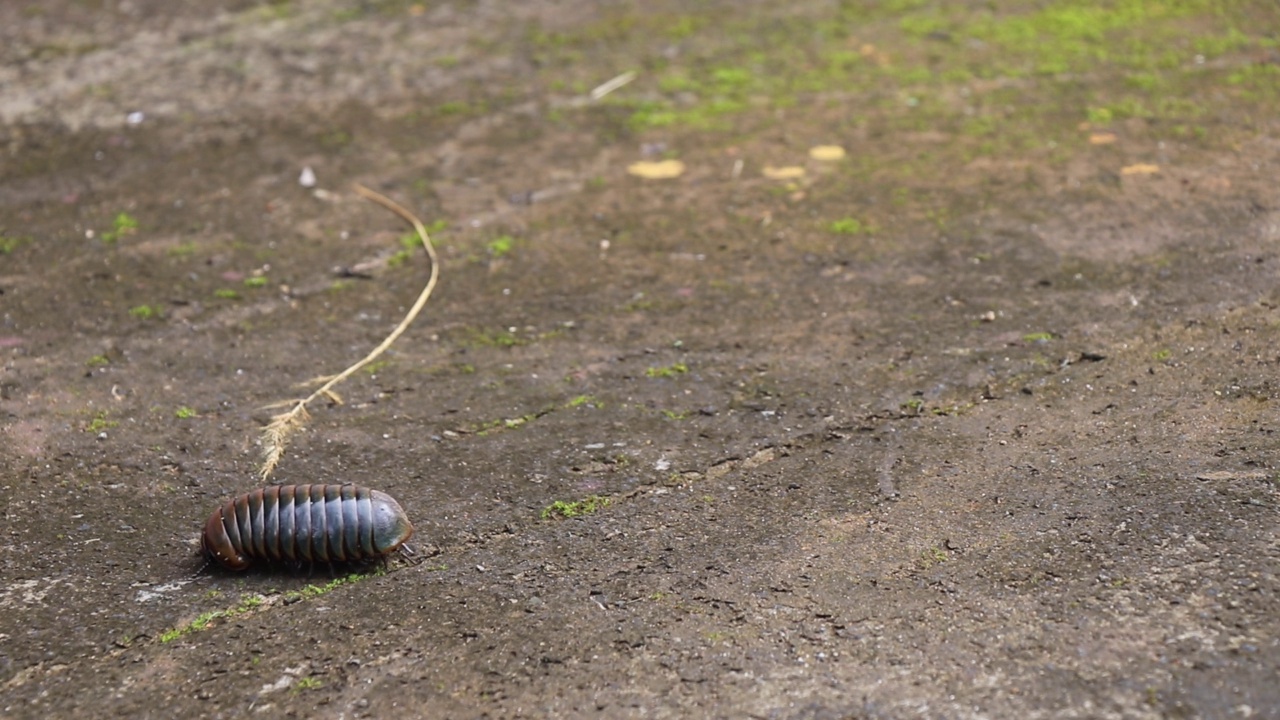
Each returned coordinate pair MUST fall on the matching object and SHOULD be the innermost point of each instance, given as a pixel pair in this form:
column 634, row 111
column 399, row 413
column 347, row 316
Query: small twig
column 609, row 86
column 276, row 434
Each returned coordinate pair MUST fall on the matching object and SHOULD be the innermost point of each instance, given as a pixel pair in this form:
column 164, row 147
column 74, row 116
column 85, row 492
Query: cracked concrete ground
column 975, row 422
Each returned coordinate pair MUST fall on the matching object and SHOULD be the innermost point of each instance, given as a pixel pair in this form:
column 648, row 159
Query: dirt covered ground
column 975, row 421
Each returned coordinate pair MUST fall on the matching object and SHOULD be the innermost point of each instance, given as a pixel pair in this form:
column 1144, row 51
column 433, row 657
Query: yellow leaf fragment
column 1102, row 138
column 790, row 172
column 872, row 53
column 662, row 170
column 1139, row 169
column 827, row 152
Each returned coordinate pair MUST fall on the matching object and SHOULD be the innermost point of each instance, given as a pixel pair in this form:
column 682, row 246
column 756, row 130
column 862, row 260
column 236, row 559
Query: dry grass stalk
column 276, row 434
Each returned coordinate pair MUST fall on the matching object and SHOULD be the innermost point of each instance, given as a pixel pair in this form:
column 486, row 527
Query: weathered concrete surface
column 977, row 422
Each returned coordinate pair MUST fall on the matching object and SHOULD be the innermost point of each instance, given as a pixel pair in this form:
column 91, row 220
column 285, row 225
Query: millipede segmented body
column 305, row 523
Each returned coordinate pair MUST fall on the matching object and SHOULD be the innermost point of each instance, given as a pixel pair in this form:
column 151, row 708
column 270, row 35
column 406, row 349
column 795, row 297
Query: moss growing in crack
column 204, row 620
column 410, row 243
column 307, row 683
column 9, row 243
column 925, row 53
column 186, row 249
column 668, row 371
column 494, row 338
column 485, row 428
column 955, row 409
column 377, row 366
column 254, row 602
column 123, row 225
column 575, row 508
column 100, row 423
column 201, row 622
column 850, row 226
column 311, row 591
column 639, row 304
column 500, row 246
column 453, row 107
column 932, row 557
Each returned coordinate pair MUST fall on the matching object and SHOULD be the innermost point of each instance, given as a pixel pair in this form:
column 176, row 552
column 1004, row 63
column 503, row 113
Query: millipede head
column 391, row 527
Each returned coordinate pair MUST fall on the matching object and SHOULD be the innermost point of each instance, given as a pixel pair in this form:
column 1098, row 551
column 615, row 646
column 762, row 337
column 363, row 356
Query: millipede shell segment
column 305, row 523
